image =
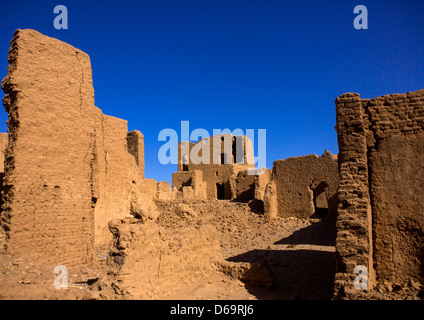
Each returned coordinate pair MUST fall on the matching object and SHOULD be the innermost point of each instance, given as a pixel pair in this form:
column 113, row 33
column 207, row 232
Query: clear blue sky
column 275, row 65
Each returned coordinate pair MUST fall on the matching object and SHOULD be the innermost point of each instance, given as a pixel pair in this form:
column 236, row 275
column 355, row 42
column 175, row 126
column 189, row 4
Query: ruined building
column 215, row 168
column 380, row 222
column 301, row 187
column 72, row 180
column 68, row 168
column 296, row 187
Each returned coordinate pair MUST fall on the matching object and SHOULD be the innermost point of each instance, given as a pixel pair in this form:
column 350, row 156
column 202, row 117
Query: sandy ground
column 299, row 252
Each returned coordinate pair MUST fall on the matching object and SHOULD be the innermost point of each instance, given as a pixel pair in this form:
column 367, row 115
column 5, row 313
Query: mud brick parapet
column 303, row 186
column 68, row 167
column 381, row 211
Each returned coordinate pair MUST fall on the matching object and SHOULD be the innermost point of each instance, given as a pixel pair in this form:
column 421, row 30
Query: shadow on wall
column 246, row 195
column 257, row 206
column 306, row 274
column 322, row 233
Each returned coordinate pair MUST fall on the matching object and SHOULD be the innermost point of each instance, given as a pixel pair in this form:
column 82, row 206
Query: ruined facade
column 68, row 168
column 301, row 187
column 295, row 187
column 381, row 212
column 215, row 168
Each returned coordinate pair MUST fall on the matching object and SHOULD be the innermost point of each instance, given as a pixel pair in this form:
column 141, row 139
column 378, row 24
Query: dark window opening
column 185, row 167
column 187, row 183
column 235, row 160
column 222, row 158
column 220, row 191
column 238, row 150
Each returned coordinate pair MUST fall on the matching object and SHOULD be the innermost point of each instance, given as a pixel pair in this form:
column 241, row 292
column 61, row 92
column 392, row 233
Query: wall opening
column 238, row 150
column 187, row 183
column 234, row 151
column 320, row 199
column 185, row 167
column 222, row 158
column 220, row 191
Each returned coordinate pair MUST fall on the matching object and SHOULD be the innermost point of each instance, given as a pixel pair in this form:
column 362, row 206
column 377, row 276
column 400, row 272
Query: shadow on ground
column 306, row 274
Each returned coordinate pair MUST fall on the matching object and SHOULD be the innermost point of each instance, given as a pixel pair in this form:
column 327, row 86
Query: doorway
column 220, row 191
column 320, row 199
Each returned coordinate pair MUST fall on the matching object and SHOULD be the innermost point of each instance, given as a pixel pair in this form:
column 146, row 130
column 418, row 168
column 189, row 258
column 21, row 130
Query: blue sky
column 266, row 64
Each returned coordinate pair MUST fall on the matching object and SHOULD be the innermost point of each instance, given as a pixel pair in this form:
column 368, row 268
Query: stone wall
column 69, row 169
column 380, row 216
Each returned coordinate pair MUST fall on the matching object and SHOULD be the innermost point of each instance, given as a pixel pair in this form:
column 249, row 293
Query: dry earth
column 299, row 252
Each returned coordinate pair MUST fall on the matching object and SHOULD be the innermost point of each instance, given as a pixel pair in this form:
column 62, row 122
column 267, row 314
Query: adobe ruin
column 215, row 168
column 59, row 192
column 72, row 183
column 73, row 179
column 296, row 187
column 380, row 216
column 302, row 187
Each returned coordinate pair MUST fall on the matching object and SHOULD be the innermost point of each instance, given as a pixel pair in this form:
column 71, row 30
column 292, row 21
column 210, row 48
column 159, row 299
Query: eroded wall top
column 67, row 166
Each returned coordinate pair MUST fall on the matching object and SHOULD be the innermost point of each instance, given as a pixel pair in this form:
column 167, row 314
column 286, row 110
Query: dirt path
column 300, row 253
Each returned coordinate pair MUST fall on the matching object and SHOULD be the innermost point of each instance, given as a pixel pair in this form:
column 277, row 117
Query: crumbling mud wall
column 189, row 184
column 148, row 261
column 243, row 185
column 164, row 191
column 3, row 143
column 261, row 181
column 69, row 169
column 155, row 260
column 302, row 186
column 380, row 217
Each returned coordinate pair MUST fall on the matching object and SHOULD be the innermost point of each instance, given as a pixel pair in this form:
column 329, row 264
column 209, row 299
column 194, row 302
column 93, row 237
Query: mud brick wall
column 67, row 168
column 193, row 179
column 148, row 261
column 3, row 143
column 354, row 237
column 261, row 181
column 114, row 170
column 244, row 186
column 164, row 191
column 294, row 181
column 381, row 213
column 135, row 143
